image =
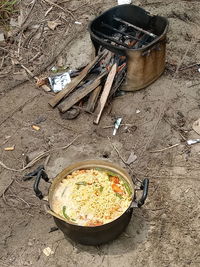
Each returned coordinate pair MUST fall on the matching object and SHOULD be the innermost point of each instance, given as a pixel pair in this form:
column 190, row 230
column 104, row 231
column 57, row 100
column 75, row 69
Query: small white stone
column 48, row 251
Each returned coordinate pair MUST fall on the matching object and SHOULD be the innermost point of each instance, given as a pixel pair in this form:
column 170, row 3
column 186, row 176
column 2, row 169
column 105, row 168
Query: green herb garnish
column 101, row 188
column 98, row 169
column 118, row 195
column 127, row 187
column 63, row 191
column 81, row 183
column 64, row 213
column 111, row 173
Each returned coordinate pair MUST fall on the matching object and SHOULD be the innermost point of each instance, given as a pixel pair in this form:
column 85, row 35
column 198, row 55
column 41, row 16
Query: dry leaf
column 11, row 148
column 131, row 158
column 35, row 127
column 53, row 24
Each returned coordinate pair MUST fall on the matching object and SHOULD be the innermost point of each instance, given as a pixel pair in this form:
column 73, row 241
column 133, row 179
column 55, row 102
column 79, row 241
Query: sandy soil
column 165, row 231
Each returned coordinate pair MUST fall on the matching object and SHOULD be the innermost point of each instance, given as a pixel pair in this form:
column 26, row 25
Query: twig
column 14, row 196
column 175, row 128
column 123, row 124
column 45, row 87
column 63, row 9
column 49, row 10
column 75, row 9
column 2, row 62
column 193, row 85
column 115, row 148
column 7, row 187
column 46, row 161
column 4, row 49
column 190, row 66
column 19, row 45
column 160, row 150
column 31, row 9
column 39, row 157
column 34, row 57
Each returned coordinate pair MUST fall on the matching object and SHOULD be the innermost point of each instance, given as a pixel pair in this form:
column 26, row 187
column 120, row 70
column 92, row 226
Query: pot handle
column 39, row 173
column 145, row 187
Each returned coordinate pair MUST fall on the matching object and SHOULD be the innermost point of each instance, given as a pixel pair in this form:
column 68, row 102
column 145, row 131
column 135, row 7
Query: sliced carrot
column 114, row 179
column 94, row 223
column 117, row 189
column 82, row 171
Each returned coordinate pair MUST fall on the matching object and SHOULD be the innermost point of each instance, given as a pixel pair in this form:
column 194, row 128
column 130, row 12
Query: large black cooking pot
column 98, row 234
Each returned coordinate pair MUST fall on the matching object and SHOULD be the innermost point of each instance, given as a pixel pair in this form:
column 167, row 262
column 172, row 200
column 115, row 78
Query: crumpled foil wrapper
column 59, row 81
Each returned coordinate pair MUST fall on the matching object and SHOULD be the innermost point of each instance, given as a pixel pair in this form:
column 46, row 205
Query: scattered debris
column 39, row 157
column 132, row 158
column 59, row 81
column 196, row 126
column 11, row 148
column 116, row 125
column 53, row 24
column 78, row 22
column 193, row 141
column 48, row 251
column 35, row 127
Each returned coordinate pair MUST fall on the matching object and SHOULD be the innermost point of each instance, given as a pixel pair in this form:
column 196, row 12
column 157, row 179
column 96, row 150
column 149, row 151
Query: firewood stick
column 93, row 99
column 79, row 94
column 71, row 86
column 105, row 93
column 135, row 27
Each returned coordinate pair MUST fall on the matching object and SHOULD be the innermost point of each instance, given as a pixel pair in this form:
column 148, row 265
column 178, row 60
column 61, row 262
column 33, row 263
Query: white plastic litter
column 116, row 125
column 122, row 2
column 59, row 81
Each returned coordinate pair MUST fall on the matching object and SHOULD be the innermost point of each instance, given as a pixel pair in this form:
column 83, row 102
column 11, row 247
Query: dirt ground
column 165, row 231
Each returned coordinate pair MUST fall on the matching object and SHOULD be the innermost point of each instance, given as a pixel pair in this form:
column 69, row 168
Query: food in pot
column 92, row 197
